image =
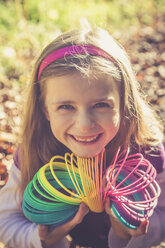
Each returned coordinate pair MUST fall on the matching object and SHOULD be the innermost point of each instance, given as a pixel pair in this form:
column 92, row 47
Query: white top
column 15, row 230
column 18, row 232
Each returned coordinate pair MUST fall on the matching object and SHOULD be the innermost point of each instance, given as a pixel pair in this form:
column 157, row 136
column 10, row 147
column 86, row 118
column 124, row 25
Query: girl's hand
column 120, row 229
column 52, row 237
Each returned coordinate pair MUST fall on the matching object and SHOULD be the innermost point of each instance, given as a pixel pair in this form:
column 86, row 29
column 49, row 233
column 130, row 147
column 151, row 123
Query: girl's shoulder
column 156, row 156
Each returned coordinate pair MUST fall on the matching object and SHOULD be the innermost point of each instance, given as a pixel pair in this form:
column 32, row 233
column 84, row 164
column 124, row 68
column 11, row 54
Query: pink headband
column 70, row 50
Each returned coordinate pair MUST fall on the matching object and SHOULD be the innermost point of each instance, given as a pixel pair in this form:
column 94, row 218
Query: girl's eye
column 101, row 105
column 66, row 106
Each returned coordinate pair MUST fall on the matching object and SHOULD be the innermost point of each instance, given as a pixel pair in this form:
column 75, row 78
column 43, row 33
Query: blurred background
column 26, row 26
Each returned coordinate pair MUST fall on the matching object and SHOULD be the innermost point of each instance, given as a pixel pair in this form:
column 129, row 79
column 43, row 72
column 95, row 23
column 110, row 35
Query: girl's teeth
column 85, row 140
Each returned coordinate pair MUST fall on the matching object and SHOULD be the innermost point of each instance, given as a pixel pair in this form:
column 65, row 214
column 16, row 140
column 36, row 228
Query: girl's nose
column 84, row 121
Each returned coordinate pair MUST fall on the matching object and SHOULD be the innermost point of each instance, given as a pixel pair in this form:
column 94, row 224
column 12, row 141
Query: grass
column 27, row 26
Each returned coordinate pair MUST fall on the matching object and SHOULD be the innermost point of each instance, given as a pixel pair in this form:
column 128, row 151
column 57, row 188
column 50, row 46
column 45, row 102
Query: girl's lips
column 86, row 139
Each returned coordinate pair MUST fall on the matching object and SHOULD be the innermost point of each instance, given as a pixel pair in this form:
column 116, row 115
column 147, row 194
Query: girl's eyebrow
column 104, row 99
column 94, row 100
column 62, row 102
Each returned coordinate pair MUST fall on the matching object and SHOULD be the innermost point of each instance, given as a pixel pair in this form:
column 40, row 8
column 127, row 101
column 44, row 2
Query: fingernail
column 144, row 226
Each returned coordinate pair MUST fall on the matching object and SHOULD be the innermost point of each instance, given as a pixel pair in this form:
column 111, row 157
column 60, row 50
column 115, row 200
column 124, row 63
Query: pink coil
column 132, row 188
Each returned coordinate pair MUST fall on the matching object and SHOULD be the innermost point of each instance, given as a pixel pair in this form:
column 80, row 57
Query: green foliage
column 27, row 25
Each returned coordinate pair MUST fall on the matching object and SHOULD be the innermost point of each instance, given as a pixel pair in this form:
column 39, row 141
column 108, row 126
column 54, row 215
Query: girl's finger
column 144, row 226
column 42, row 231
column 107, row 206
column 82, row 211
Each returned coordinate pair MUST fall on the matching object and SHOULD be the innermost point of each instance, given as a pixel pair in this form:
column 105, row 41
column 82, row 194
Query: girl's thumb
column 42, row 231
column 82, row 211
column 107, row 206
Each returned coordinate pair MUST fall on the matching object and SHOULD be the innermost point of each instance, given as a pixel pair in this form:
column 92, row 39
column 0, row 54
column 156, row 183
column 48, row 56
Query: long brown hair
column 138, row 123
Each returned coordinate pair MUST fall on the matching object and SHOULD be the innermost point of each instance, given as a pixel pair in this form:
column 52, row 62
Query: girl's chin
column 87, row 149
column 87, row 154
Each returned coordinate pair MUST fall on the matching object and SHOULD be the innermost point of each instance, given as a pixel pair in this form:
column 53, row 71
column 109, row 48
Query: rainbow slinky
column 58, row 188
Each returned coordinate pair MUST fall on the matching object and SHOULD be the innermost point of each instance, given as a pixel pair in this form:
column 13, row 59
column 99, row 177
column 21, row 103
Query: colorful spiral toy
column 58, row 188
column 132, row 188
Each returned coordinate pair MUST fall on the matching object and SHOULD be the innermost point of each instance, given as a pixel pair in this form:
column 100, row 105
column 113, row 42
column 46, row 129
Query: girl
column 83, row 97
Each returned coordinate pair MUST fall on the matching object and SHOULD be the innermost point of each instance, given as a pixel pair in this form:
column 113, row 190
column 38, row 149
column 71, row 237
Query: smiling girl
column 86, row 115
column 83, row 97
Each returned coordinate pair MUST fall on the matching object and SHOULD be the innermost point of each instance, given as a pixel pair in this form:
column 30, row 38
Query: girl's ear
column 45, row 111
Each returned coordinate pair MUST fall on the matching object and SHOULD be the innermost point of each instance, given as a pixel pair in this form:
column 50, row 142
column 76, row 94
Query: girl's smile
column 86, row 139
column 84, row 114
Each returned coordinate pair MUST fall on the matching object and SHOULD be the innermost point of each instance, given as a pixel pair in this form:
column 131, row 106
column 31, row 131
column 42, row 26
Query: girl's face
column 84, row 114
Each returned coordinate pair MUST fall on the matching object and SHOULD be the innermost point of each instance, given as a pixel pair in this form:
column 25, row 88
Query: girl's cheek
column 110, row 119
column 64, row 118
